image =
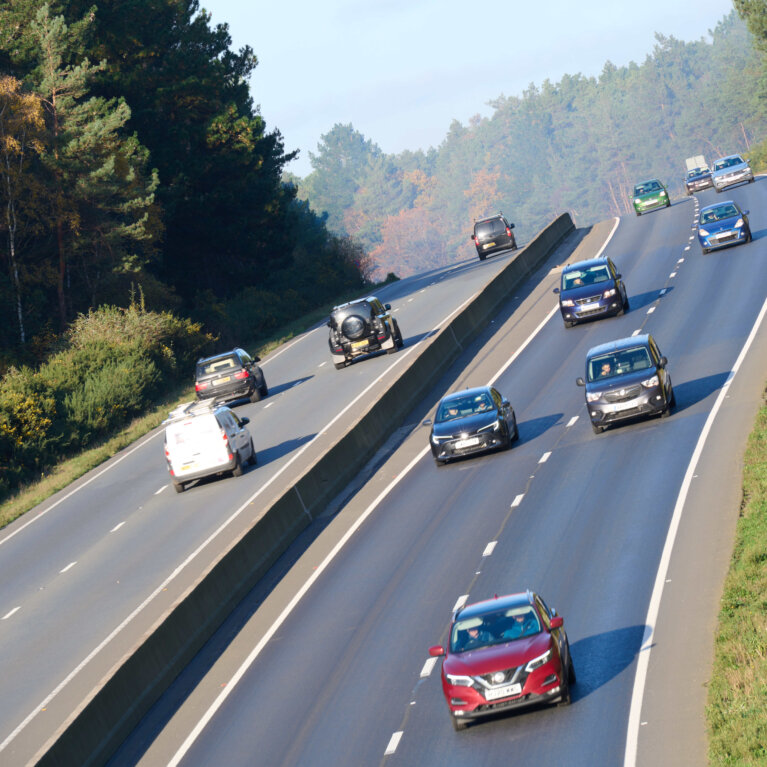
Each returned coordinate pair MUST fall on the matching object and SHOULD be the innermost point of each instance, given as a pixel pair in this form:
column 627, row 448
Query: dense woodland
column 579, row 144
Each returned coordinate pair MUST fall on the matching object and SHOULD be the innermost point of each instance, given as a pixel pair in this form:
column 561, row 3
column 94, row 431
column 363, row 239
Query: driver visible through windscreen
column 460, row 408
column 494, row 628
column 618, row 363
column 578, row 277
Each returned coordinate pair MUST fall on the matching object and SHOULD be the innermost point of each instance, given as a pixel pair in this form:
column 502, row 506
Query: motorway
column 88, row 572
column 330, row 668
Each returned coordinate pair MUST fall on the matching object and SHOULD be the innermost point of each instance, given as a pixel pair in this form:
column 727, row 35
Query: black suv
column 361, row 327
column 625, row 379
column 493, row 234
column 230, row 375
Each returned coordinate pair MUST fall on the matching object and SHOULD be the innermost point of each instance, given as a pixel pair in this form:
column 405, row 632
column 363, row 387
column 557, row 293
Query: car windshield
column 718, row 213
column 618, row 363
column 697, row 172
column 727, row 162
column 579, row 277
column 494, row 628
column 217, row 366
column 460, row 407
column 490, row 228
column 646, row 188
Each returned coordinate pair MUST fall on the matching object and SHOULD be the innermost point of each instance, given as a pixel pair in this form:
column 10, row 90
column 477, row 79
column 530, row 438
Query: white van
column 203, row 438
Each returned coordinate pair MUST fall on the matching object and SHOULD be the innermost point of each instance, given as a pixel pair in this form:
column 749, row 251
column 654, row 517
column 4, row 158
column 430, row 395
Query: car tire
column 566, row 695
column 638, row 213
column 399, row 341
column 439, row 463
column 706, row 251
column 252, row 460
column 458, row 724
column 666, row 412
column 394, row 349
column 597, row 429
column 515, row 436
column 717, row 190
column 569, row 324
column 626, row 304
column 570, row 668
column 264, row 390
column 339, row 365
column 255, row 395
column 673, row 397
column 482, row 256
column 748, row 236
column 179, row 487
column 668, row 203
column 237, row 470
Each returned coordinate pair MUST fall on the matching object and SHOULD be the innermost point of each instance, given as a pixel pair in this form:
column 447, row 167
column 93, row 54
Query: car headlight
column 703, row 232
column 494, row 426
column 662, row 194
column 568, row 302
column 539, row 661
column 459, row 681
column 593, row 396
column 651, row 382
column 739, row 223
column 637, row 201
column 609, row 293
column 436, row 440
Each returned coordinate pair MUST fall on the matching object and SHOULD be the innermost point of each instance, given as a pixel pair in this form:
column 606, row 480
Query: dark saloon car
column 504, row 653
column 731, row 170
column 591, row 289
column 229, row 376
column 722, row 224
column 697, row 179
column 625, row 379
column 649, row 195
column 362, row 327
column 472, row 421
column 493, row 234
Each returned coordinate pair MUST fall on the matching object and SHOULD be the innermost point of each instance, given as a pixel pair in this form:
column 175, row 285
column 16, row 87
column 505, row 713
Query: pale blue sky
column 401, row 70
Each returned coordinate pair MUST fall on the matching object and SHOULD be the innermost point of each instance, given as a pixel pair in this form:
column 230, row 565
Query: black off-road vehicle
column 361, row 327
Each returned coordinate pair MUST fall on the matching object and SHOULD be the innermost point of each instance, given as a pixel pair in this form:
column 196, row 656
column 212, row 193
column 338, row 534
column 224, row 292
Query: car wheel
column 339, row 365
column 626, row 305
column 439, row 462
column 748, row 236
column 666, row 412
column 482, row 256
column 255, row 395
column 706, row 251
column 458, row 724
column 638, row 213
column 597, row 429
column 252, row 460
column 264, row 390
column 668, row 203
column 515, row 436
column 398, row 340
column 566, row 696
column 568, row 324
column 179, row 487
column 394, row 347
column 570, row 669
column 717, row 190
column 672, row 401
column 237, row 470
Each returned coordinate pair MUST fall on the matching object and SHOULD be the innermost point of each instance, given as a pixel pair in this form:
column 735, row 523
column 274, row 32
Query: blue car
column 722, row 224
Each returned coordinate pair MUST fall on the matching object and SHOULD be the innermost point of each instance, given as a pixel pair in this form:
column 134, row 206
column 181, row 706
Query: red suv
column 504, row 653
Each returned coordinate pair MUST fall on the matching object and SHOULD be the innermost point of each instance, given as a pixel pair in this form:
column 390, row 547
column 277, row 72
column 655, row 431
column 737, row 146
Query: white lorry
column 699, row 161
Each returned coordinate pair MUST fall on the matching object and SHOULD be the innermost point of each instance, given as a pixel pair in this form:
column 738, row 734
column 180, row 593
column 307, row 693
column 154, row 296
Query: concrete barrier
column 104, row 720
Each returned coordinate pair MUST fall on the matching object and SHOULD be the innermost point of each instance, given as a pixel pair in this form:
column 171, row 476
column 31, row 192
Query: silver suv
column 731, row 170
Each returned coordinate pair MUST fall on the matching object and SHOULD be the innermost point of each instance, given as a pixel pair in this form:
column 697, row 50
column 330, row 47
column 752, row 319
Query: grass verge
column 737, row 695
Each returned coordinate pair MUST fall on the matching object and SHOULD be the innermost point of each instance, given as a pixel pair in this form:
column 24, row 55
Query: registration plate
column 219, row 381
column 467, row 442
column 588, row 307
column 359, row 344
column 489, row 245
column 503, row 692
column 618, row 406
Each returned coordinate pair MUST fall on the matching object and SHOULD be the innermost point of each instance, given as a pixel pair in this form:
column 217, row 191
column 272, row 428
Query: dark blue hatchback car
column 721, row 225
column 591, row 289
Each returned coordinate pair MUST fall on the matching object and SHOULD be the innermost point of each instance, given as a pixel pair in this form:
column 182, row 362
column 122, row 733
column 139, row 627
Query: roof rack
column 186, row 409
column 485, row 218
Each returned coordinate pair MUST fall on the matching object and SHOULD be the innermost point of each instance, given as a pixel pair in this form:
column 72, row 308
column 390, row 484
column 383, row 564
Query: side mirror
column 511, row 226
column 437, row 651
column 663, row 362
column 618, row 276
column 387, row 306
column 557, row 622
column 580, row 382
column 504, row 403
column 256, row 358
column 244, row 421
column 556, row 290
column 473, row 237
column 746, row 212
column 328, row 324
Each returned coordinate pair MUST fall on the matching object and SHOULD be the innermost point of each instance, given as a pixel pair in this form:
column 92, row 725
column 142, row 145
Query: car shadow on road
column 688, row 393
column 641, row 300
column 273, row 452
column 534, row 427
column 274, row 390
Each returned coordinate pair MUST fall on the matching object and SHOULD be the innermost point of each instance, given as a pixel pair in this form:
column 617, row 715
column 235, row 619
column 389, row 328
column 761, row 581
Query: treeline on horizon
column 579, row 144
column 132, row 158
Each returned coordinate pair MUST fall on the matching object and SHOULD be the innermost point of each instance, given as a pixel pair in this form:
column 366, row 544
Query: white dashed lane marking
column 489, row 548
column 322, row 363
column 268, row 404
column 686, row 247
column 68, row 567
column 517, row 500
column 571, row 421
column 460, row 602
column 117, row 527
column 157, row 492
column 681, row 260
column 428, row 667
column 544, row 457
column 637, row 332
column 673, row 274
column 14, row 611
column 651, row 310
column 393, row 743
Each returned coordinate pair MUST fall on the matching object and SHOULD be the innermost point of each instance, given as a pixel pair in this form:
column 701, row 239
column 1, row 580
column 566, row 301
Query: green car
column 650, row 195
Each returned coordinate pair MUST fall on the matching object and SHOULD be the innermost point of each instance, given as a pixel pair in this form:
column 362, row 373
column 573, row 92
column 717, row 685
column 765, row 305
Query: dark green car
column 650, row 195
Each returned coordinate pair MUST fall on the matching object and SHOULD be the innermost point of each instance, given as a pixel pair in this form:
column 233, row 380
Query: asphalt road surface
column 85, row 574
column 330, row 667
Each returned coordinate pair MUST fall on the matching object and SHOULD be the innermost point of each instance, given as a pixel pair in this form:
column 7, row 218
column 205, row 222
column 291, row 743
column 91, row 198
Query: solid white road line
column 16, row 609
column 393, row 743
column 68, row 567
column 571, row 421
column 643, row 660
column 428, row 667
column 489, row 548
column 256, row 651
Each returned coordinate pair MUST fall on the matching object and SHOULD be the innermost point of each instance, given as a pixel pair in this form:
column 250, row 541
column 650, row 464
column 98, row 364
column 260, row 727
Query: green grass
column 73, row 468
column 737, row 694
